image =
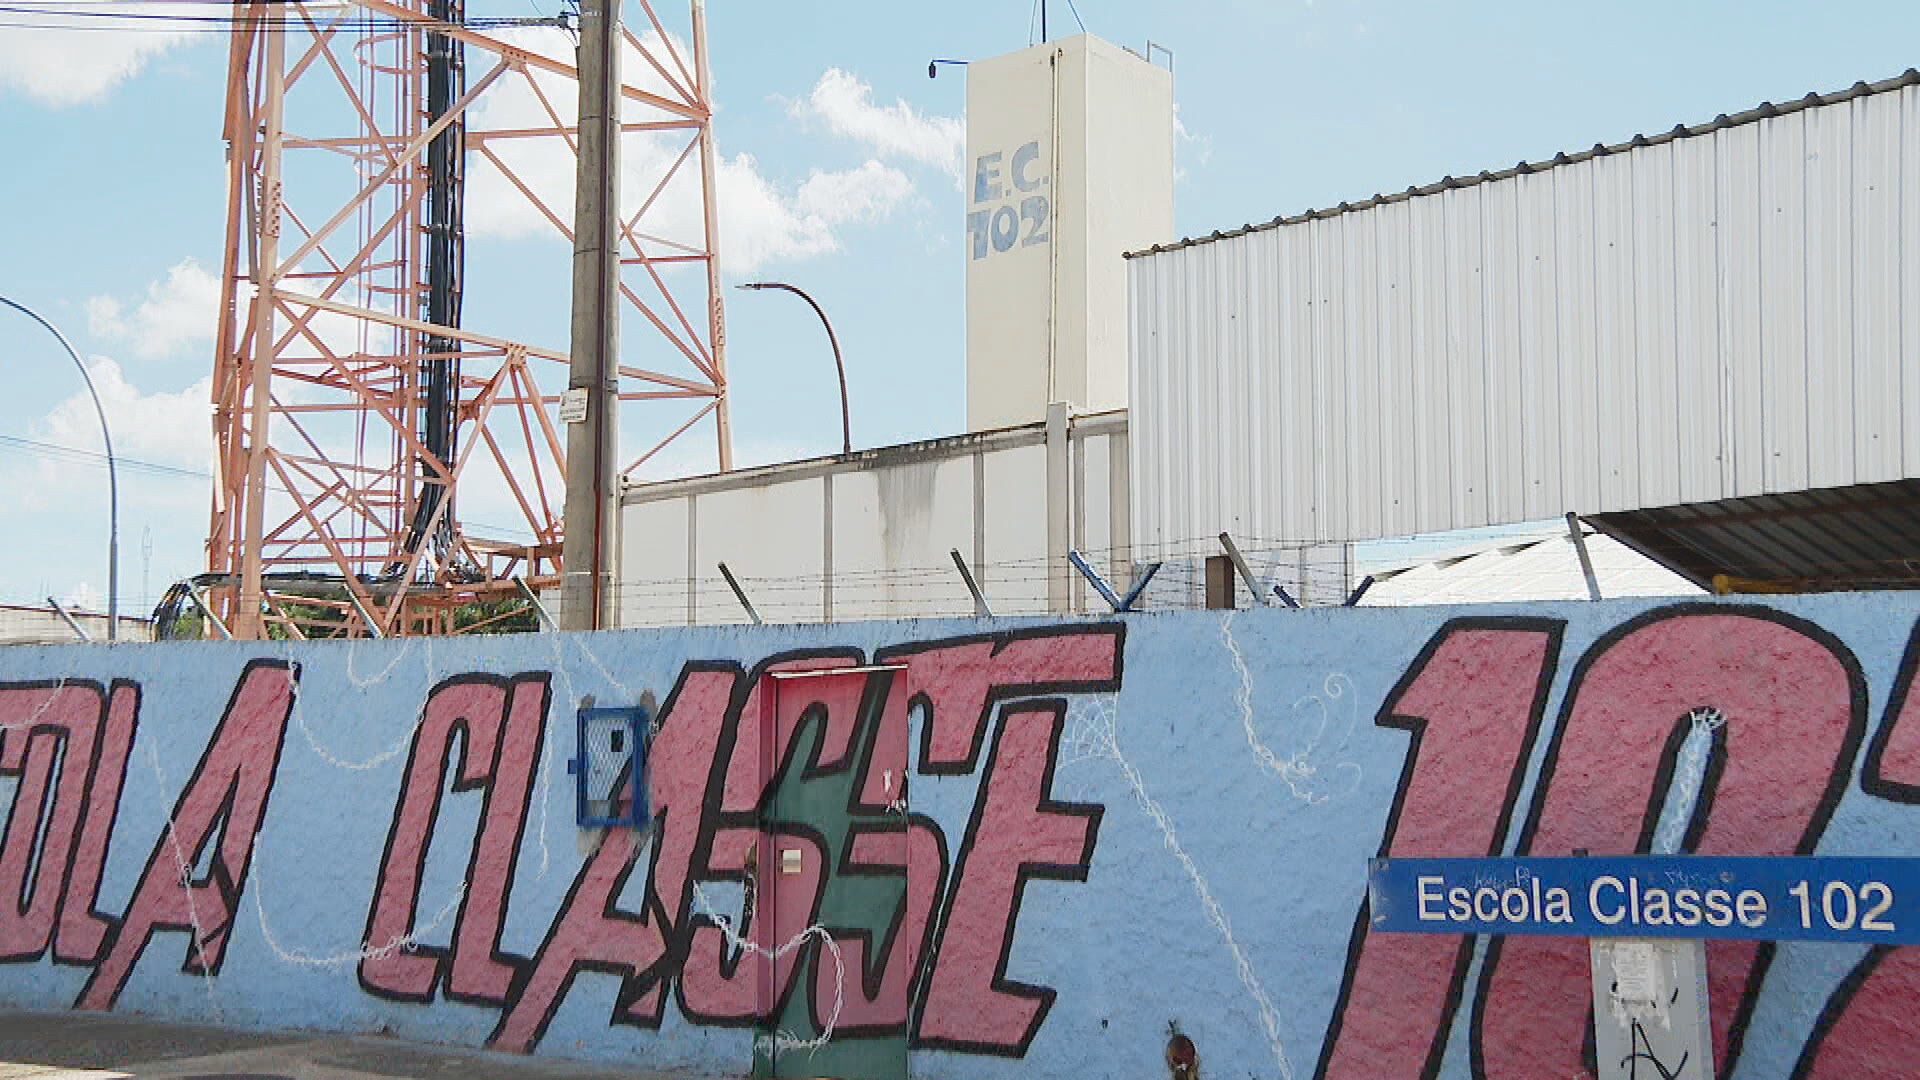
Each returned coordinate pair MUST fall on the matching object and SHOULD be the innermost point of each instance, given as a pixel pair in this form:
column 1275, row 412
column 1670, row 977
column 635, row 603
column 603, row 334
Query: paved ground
column 92, row 1046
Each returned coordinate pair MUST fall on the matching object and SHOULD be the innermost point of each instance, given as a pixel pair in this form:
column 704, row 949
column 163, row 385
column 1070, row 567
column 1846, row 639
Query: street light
column 113, row 478
column 846, row 424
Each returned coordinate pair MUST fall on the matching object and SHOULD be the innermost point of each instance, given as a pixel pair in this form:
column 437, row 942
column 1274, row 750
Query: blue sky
column 114, row 196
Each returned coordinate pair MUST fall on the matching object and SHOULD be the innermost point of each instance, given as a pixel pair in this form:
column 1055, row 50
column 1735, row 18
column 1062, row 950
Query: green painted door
column 835, row 832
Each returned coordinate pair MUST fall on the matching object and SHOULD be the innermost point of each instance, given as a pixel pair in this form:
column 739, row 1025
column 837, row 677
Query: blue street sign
column 1870, row 900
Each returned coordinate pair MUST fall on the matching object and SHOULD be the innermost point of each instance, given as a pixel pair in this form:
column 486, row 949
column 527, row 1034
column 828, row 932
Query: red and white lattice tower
column 373, row 400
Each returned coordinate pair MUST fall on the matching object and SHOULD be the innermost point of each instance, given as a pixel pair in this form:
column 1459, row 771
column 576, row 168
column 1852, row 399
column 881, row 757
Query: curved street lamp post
column 846, row 424
column 113, row 478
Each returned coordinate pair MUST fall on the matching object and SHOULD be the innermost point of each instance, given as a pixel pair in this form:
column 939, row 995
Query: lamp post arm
column 113, row 477
column 839, row 365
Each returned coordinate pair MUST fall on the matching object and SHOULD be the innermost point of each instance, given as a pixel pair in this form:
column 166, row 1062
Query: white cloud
column 61, row 66
column 759, row 221
column 1188, row 146
column 868, row 192
column 845, row 103
column 180, row 310
column 183, row 309
column 169, row 427
column 760, row 225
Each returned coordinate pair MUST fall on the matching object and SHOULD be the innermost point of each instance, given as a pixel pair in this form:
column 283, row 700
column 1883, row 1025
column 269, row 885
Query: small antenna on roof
column 1072, row 7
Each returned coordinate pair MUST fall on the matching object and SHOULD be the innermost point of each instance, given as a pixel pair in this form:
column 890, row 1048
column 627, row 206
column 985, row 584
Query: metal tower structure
column 379, row 389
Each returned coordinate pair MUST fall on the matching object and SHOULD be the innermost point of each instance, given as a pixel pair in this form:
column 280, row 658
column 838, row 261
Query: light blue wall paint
column 1220, row 895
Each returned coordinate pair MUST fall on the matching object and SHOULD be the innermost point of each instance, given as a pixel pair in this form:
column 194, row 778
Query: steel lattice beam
column 351, row 383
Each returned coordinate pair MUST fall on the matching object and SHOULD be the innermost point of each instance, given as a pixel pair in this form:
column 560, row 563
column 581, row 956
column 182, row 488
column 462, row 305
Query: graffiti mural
column 937, row 847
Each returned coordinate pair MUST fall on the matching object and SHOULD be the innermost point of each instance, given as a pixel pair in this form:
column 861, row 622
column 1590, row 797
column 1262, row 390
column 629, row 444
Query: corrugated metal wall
column 1724, row 314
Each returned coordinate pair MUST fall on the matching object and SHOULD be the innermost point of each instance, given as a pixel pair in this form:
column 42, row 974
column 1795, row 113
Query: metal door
column 833, row 877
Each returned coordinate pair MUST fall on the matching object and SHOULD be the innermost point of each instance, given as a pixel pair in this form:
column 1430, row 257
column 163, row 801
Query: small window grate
column 610, row 767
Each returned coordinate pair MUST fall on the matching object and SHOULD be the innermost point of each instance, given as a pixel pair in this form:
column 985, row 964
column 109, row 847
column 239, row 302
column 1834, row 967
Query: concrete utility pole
column 592, row 492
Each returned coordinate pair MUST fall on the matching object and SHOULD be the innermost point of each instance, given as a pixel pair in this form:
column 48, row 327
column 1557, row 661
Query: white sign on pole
column 573, row 406
column 1650, row 1019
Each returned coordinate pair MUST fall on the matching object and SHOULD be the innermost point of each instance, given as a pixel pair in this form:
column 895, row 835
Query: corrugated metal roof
column 1762, row 111
column 1863, row 536
column 1525, row 569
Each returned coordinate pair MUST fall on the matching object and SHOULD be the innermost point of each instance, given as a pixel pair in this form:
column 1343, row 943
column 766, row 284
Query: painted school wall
column 1112, row 826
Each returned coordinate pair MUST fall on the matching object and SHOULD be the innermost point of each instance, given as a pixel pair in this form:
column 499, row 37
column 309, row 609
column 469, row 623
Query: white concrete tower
column 1069, row 165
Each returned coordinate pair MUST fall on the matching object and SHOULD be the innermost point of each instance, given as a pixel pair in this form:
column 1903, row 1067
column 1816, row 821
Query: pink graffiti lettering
column 1018, row 833
column 501, row 722
column 54, row 847
column 721, row 742
column 42, row 726
column 882, row 973
column 1473, row 701
column 683, row 759
column 227, row 794
column 1793, row 701
column 725, row 984
column 83, row 929
column 591, row 933
column 959, row 682
column 765, row 739
column 713, row 988
column 1862, row 1030
column 481, row 973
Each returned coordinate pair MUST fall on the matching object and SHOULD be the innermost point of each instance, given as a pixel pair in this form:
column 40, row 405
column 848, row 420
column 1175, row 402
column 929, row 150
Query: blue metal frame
column 1121, row 604
column 639, row 721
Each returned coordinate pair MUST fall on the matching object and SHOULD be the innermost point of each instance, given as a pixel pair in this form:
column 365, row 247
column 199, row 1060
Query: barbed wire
column 1031, row 568
column 1015, row 587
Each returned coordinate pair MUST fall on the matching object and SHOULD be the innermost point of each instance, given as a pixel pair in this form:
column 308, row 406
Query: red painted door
column 837, row 843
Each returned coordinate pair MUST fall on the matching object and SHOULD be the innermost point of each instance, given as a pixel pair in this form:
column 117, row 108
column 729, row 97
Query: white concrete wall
column 1069, row 166
column 888, row 519
column 869, row 536
column 1127, row 182
column 40, row 626
column 1010, row 284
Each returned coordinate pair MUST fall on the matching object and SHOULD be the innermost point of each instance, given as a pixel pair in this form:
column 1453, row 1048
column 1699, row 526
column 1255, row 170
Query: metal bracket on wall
column 199, row 601
column 1245, row 570
column 740, row 594
column 1360, row 590
column 1120, row 604
column 373, row 624
column 540, row 609
column 981, row 608
column 1579, row 538
column 80, row 632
